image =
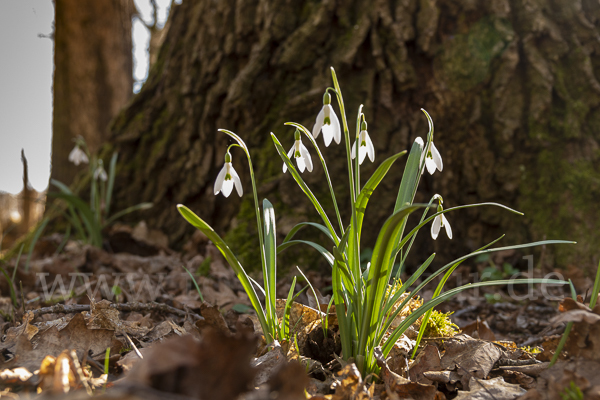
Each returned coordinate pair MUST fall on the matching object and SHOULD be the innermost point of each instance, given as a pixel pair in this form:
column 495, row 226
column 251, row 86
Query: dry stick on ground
column 143, row 307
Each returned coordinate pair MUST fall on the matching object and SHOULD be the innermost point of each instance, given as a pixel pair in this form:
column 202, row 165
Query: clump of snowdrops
column 364, row 306
column 86, row 220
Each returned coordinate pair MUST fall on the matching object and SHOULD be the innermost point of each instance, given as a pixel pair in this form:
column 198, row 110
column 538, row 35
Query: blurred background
column 512, row 87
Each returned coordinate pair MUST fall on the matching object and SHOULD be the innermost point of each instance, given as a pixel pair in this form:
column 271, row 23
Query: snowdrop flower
column 433, row 159
column 365, row 145
column 327, row 122
column 300, row 153
column 440, row 221
column 227, row 178
column 78, row 156
column 100, row 173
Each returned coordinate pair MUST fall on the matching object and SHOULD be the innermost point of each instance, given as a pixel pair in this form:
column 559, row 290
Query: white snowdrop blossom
column 227, row 178
column 300, row 153
column 100, row 173
column 327, row 122
column 433, row 159
column 365, row 145
column 440, row 221
column 78, row 156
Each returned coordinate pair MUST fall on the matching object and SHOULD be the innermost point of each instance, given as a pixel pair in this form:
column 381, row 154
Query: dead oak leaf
column 470, row 357
column 497, row 387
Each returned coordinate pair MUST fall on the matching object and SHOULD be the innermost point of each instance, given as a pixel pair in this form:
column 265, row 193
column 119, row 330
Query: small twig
column 80, row 374
column 143, row 307
column 133, row 345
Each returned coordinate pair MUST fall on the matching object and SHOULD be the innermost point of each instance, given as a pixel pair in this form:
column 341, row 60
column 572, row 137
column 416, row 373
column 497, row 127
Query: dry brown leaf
column 395, row 385
column 216, row 368
column 499, row 390
column 427, row 360
column 268, row 364
column 479, row 330
column 470, row 357
column 348, row 385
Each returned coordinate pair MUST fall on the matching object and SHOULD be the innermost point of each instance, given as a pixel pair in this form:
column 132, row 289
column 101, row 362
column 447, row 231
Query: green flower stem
column 353, row 243
column 259, row 225
column 314, row 143
column 356, row 159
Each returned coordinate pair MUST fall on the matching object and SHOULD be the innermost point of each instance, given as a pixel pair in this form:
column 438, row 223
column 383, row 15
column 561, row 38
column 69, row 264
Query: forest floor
column 129, row 323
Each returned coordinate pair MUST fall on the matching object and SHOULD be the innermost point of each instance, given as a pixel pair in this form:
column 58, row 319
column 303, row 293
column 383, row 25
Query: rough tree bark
column 511, row 85
column 93, row 67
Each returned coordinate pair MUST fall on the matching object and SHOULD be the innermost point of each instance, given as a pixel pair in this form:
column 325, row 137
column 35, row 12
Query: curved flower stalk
column 300, row 153
column 227, row 178
column 440, row 221
column 327, row 122
column 224, row 183
column 365, row 145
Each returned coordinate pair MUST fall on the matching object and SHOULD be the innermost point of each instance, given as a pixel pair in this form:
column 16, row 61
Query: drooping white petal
column 289, row 154
column 362, row 153
column 318, row 123
column 220, row 179
column 301, row 164
column 430, row 164
column 437, row 158
column 327, row 134
column 306, row 155
column 227, row 187
column 447, row 226
column 335, row 125
column 237, row 182
column 353, row 151
column 435, row 227
column 370, row 147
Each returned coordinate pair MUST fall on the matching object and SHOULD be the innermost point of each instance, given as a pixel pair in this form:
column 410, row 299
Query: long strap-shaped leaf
column 301, row 225
column 376, row 279
column 371, row 185
column 327, row 255
column 197, row 222
column 270, row 270
column 389, row 344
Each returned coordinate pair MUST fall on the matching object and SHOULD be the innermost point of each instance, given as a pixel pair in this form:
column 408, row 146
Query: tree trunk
column 511, row 86
column 93, row 74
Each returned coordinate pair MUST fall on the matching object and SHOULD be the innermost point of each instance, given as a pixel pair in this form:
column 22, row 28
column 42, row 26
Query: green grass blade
column 195, row 283
column 198, row 223
column 112, row 170
column 61, row 186
column 285, row 321
column 141, row 206
column 596, row 288
column 301, row 225
column 36, row 237
column 565, row 336
column 326, row 254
